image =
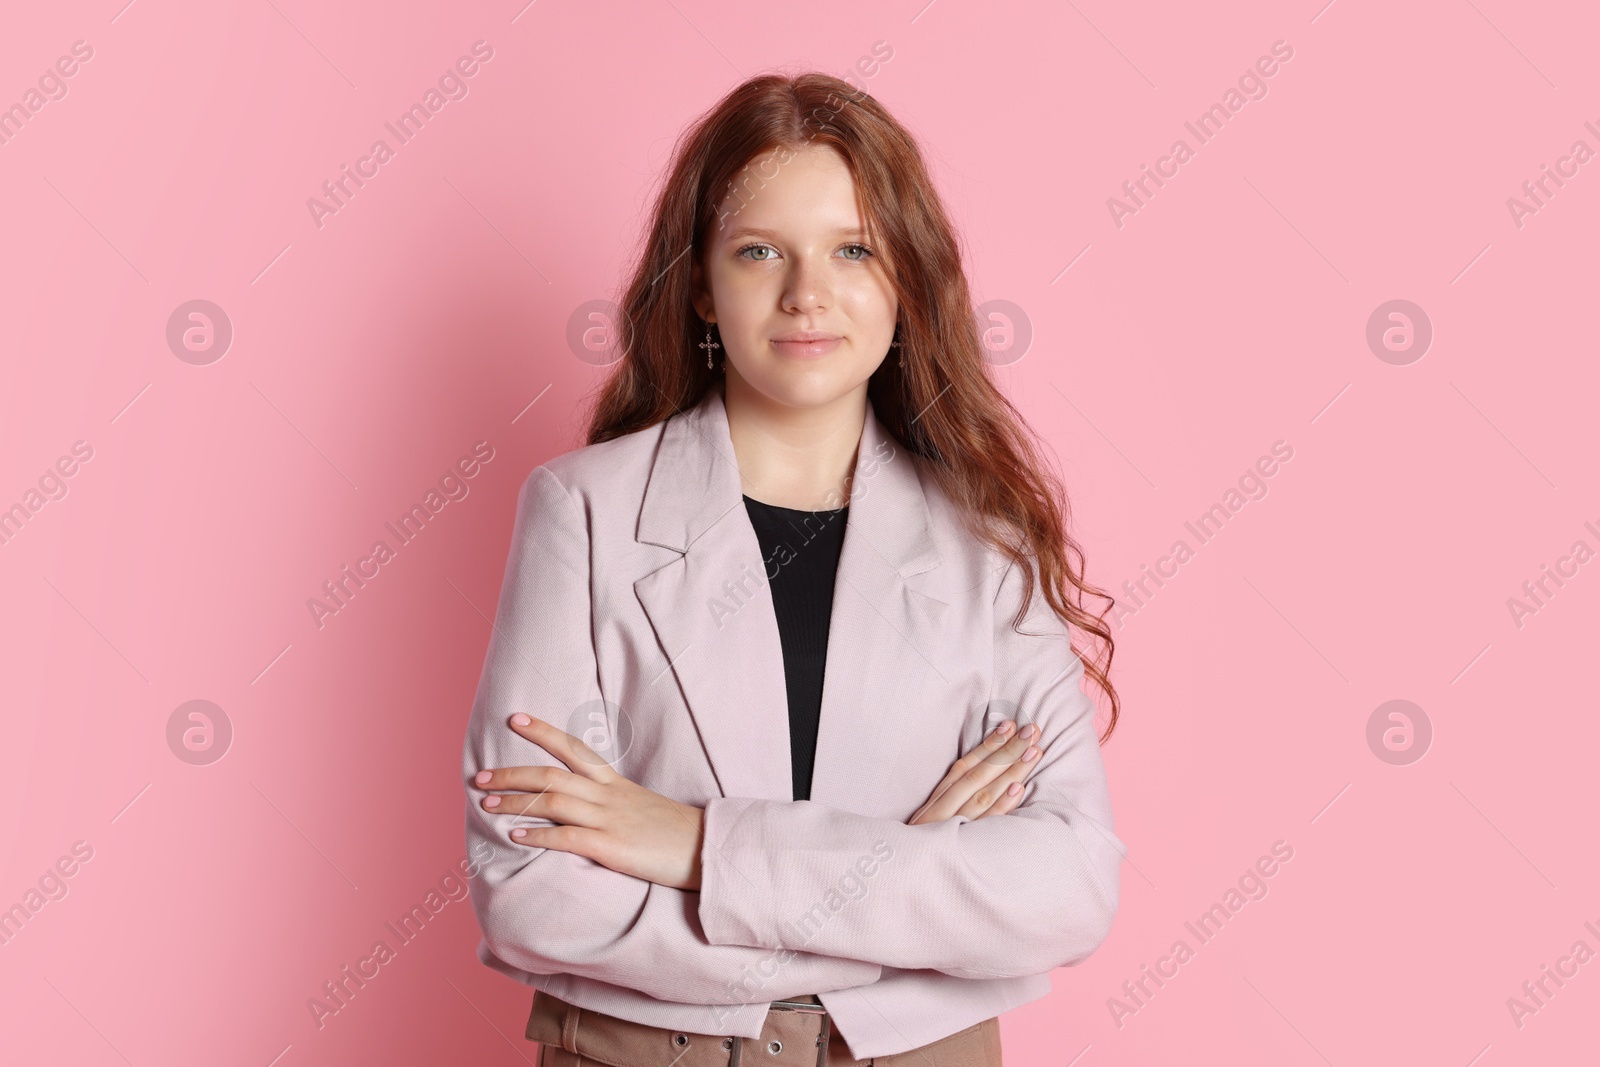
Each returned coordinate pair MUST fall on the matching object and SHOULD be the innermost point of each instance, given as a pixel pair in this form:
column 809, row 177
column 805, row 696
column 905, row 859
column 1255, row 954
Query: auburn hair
column 940, row 403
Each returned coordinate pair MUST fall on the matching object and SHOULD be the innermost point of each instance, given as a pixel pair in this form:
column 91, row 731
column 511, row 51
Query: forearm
column 1004, row 896
column 552, row 912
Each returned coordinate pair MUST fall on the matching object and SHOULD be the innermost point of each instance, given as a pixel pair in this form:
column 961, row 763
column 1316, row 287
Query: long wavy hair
column 974, row 441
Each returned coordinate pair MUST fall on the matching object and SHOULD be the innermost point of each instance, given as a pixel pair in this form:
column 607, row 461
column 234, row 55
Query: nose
column 806, row 289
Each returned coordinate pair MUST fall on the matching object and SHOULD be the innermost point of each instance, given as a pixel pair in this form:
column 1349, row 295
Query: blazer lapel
column 711, row 609
column 883, row 635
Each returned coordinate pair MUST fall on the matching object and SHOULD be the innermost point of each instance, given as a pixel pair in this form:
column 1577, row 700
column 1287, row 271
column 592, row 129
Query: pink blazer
column 635, row 612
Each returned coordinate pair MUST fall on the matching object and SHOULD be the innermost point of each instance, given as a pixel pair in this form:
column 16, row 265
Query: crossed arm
column 832, row 896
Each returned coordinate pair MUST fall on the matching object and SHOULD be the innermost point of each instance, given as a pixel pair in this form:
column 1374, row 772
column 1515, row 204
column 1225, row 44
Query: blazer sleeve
column 551, row 912
column 1000, row 897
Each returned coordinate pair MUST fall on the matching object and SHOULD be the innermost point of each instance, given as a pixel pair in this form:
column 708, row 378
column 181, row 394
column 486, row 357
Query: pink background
column 369, row 354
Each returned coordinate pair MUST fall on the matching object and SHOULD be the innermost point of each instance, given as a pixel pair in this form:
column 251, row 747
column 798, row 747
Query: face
column 798, row 290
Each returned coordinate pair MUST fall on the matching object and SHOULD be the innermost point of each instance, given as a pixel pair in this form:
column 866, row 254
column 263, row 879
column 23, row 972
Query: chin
column 805, row 387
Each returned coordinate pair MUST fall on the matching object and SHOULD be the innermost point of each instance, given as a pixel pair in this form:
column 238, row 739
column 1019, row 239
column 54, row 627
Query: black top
column 801, row 551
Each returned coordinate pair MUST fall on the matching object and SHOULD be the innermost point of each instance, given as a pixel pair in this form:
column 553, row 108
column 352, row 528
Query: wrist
column 692, row 883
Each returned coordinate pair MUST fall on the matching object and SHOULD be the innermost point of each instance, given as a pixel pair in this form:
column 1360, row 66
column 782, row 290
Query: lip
column 807, row 344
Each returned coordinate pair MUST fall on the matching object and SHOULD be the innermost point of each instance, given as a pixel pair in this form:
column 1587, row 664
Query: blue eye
column 866, row 252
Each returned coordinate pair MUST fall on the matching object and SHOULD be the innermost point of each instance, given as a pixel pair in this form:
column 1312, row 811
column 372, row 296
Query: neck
column 795, row 457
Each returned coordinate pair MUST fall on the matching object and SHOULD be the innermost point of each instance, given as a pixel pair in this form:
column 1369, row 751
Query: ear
column 699, row 293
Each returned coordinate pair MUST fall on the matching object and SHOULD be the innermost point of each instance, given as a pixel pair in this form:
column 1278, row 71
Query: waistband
column 796, row 1034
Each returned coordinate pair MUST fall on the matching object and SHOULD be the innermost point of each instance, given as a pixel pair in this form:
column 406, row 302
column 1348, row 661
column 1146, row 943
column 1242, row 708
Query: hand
column 602, row 815
column 987, row 780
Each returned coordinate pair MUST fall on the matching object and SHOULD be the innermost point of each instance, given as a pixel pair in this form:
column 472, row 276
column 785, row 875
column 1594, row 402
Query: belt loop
column 569, row 1029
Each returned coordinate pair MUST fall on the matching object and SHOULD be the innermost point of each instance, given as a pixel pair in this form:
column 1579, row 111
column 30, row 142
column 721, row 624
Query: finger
column 573, row 839
column 985, row 762
column 979, row 752
column 989, row 784
column 995, row 742
column 1015, row 745
column 538, row 780
column 578, row 757
column 561, row 808
column 1010, row 797
column 994, row 763
column 981, row 800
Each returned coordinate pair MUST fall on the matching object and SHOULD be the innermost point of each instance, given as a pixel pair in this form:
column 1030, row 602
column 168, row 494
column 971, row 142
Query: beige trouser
column 577, row 1037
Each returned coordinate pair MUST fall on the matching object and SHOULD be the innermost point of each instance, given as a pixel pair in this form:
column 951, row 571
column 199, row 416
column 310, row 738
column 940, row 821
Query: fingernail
column 1029, row 730
column 1030, row 754
column 519, row 833
column 1013, row 789
column 520, row 719
column 483, row 777
column 1004, row 727
column 492, row 802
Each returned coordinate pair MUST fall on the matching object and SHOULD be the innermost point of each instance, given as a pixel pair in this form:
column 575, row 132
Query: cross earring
column 708, row 344
column 900, row 357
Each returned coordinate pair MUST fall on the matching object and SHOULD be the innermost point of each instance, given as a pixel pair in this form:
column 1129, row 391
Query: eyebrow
column 755, row 231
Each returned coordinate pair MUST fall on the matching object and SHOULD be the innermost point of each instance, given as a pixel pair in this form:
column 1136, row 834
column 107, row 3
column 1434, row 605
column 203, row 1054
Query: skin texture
column 795, row 424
